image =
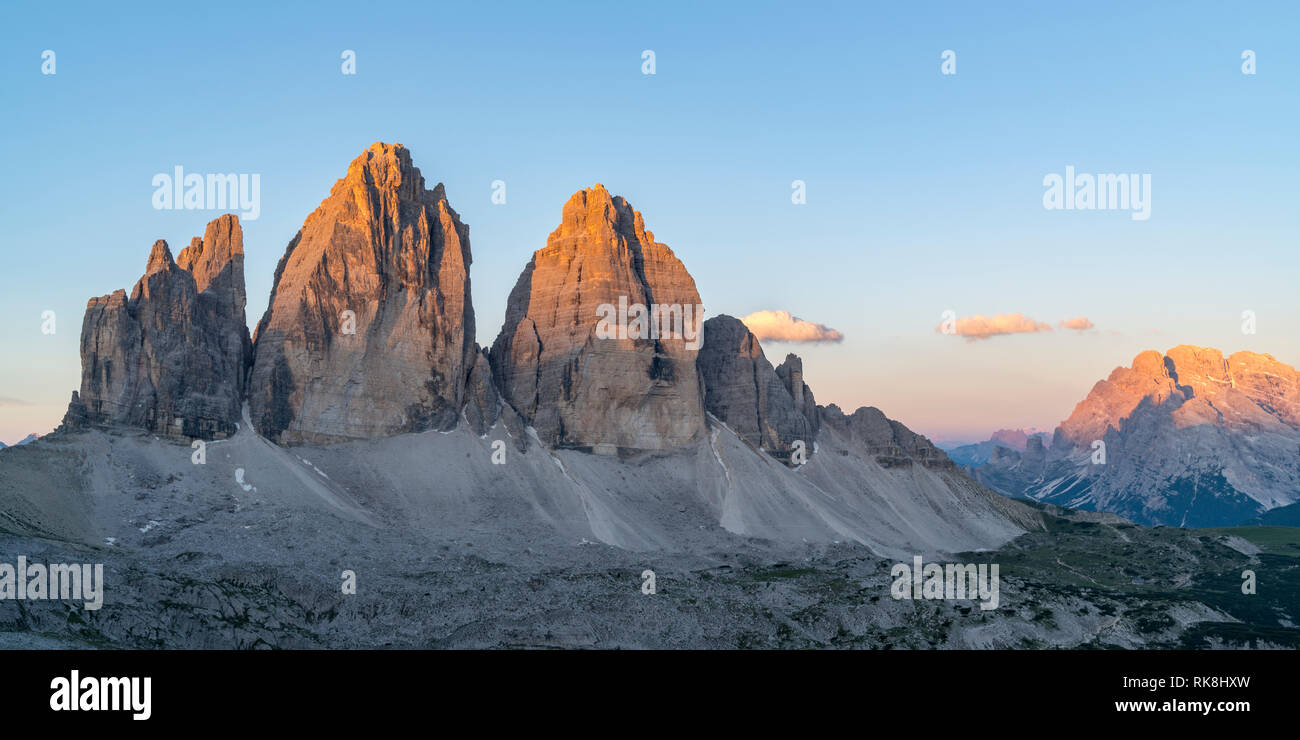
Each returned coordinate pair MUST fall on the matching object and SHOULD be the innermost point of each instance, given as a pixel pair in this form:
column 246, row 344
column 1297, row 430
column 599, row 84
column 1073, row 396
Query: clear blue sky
column 924, row 191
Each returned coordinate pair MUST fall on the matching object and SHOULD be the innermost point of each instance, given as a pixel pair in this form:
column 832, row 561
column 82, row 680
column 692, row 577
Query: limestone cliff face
column 791, row 374
column 370, row 327
column 768, row 408
column 171, row 357
column 580, row 387
column 1243, row 392
column 217, row 263
column 1187, row 438
column 1113, row 399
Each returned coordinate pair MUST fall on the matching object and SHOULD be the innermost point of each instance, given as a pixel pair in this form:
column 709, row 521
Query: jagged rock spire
column 370, row 327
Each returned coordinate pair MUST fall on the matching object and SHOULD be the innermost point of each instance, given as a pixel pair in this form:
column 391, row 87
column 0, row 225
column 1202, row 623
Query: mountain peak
column 381, row 159
column 382, row 174
column 595, row 212
column 1249, row 387
column 171, row 359
column 370, row 329
column 1148, row 362
column 1114, row 398
column 216, row 260
column 222, row 239
column 1203, row 361
column 160, row 258
column 575, row 385
column 1182, row 436
column 768, row 407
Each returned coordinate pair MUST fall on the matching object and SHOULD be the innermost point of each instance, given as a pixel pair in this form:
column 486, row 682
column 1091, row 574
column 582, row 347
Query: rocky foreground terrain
column 234, row 486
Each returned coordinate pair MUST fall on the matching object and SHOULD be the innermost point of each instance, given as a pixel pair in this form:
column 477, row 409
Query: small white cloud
column 781, row 326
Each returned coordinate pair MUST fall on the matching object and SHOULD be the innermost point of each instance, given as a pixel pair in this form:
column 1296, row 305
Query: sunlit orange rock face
column 1243, row 392
column 1187, row 438
column 574, row 387
column 370, row 328
column 1115, row 398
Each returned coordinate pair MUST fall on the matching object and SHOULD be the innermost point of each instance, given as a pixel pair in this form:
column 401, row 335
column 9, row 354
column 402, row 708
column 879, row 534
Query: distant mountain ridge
column 25, row 440
column 979, row 453
column 1187, row 438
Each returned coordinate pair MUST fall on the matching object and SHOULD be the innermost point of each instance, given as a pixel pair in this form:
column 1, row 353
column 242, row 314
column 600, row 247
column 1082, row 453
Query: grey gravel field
column 548, row 550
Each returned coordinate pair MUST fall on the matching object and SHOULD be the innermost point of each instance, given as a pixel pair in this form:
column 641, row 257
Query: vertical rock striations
column 772, row 408
column 217, row 264
column 791, row 374
column 743, row 391
column 370, row 327
column 561, row 360
column 171, row 357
